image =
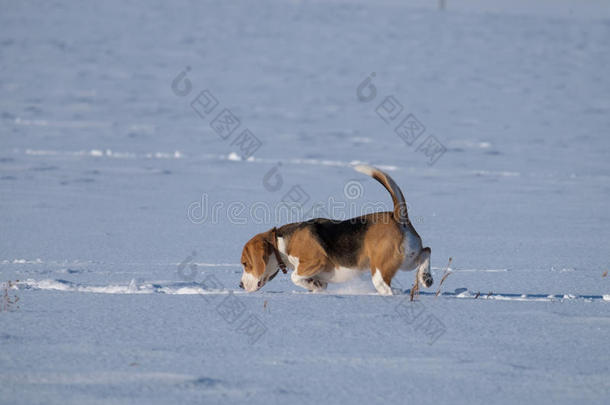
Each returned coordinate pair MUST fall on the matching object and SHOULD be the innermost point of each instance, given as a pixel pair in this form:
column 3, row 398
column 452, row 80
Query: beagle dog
column 322, row 251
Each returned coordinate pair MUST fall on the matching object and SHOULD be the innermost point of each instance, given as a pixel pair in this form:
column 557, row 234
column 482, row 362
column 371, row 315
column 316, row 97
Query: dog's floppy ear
column 259, row 263
column 255, row 255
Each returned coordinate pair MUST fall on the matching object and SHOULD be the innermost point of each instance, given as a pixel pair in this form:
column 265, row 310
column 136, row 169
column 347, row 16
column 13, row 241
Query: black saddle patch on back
column 342, row 240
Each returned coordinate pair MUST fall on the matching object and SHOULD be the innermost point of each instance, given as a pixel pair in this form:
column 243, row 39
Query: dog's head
column 259, row 261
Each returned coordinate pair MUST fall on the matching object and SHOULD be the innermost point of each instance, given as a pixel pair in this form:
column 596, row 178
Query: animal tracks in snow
column 192, row 288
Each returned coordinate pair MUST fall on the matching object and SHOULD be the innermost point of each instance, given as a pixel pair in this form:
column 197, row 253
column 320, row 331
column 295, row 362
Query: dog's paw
column 427, row 280
column 316, row 284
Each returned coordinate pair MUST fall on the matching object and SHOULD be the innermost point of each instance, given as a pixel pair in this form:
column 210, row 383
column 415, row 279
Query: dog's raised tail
column 400, row 206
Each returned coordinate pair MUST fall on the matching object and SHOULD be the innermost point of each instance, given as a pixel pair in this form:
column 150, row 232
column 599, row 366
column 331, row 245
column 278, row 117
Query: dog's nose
column 241, row 285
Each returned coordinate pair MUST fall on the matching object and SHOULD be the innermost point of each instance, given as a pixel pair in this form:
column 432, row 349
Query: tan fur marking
column 312, row 257
column 383, row 246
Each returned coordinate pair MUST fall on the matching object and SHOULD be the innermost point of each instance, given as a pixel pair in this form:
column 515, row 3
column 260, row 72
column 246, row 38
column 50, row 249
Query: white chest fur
column 340, row 274
column 291, row 261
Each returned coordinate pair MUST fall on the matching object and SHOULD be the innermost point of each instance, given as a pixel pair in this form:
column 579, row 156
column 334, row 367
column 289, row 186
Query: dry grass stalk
column 7, row 303
column 445, row 275
column 415, row 289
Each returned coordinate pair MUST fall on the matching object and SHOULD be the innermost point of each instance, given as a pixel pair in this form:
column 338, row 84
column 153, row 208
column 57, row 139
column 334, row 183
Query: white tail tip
column 366, row 169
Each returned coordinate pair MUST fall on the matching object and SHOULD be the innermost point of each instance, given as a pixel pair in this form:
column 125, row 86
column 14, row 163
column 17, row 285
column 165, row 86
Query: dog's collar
column 278, row 256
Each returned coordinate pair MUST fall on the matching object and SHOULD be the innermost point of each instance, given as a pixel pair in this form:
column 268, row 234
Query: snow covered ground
column 123, row 211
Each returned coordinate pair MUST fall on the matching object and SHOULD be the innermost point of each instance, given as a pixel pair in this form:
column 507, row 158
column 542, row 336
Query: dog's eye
column 245, row 264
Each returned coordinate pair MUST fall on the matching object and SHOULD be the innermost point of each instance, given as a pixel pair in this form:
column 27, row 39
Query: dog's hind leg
column 384, row 264
column 423, row 275
column 382, row 280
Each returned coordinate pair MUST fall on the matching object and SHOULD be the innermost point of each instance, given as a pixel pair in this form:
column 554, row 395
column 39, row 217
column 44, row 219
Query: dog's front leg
column 424, row 276
column 309, row 283
column 306, row 272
